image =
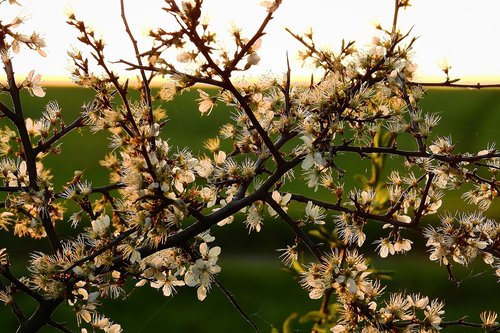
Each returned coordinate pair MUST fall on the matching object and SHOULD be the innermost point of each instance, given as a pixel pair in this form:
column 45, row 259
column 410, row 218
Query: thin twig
column 402, row 197
column 362, row 214
column 44, row 145
column 60, row 326
column 225, row 291
column 448, row 158
column 234, row 302
column 451, row 276
column 461, row 322
column 422, row 206
column 145, row 82
column 296, row 228
column 259, row 33
column 415, row 128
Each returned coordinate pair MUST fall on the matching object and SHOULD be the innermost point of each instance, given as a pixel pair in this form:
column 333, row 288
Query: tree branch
column 44, row 145
column 336, row 207
column 145, row 82
column 295, row 227
column 422, row 206
column 225, row 291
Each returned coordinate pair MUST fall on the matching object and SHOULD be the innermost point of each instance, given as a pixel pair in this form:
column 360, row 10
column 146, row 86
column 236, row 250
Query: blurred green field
column 250, row 268
column 471, row 117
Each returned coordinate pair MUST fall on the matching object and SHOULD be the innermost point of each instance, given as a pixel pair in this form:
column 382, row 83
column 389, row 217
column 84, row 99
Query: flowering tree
column 152, row 223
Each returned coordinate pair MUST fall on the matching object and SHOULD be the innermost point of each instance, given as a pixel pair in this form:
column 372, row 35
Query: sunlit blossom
column 33, row 84
column 206, row 103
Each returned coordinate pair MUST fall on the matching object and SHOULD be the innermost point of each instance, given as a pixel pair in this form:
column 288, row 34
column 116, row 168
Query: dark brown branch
column 363, row 214
column 41, row 317
column 489, row 166
column 106, row 189
column 288, row 107
column 28, row 151
column 259, row 33
column 197, row 79
column 102, row 189
column 248, row 111
column 6, row 111
column 420, row 210
column 98, row 48
column 122, row 90
column 493, row 183
column 54, row 240
column 259, row 166
column 6, row 273
column 204, row 223
column 45, row 145
column 16, row 310
column 17, row 117
column 452, row 159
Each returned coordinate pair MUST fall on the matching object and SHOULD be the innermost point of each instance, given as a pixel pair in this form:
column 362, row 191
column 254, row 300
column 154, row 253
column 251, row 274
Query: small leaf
column 317, row 234
column 381, row 196
column 361, row 179
column 313, row 316
column 387, row 139
column 287, row 325
column 296, row 266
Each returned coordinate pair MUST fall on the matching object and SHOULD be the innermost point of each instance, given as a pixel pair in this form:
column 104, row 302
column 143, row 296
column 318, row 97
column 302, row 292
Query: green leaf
column 297, row 267
column 381, row 196
column 318, row 234
column 312, row 316
column 361, row 179
column 287, row 325
column 387, row 139
column 274, row 330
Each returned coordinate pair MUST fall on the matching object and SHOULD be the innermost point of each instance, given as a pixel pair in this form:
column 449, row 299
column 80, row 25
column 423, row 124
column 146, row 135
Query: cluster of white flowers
column 163, row 270
column 462, row 238
column 347, row 275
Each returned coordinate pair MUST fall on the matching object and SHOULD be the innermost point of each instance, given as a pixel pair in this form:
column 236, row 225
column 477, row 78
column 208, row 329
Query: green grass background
column 250, row 268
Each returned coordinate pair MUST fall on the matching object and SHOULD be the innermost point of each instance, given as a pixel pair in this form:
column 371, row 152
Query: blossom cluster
column 348, row 276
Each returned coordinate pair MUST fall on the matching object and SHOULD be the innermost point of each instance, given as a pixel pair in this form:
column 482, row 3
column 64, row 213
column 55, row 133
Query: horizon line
column 65, row 81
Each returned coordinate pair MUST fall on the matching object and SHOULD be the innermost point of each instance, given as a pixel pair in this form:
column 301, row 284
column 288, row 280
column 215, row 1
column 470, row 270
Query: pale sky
column 462, row 31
